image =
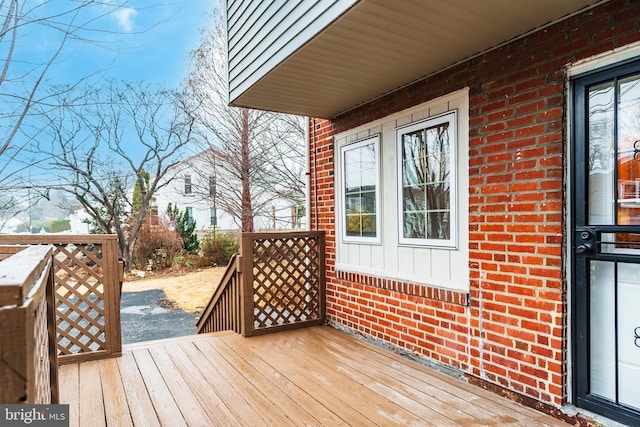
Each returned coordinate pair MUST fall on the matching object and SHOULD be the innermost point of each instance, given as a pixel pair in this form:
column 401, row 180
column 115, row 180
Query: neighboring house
column 475, row 166
column 193, row 187
column 193, row 190
column 79, row 220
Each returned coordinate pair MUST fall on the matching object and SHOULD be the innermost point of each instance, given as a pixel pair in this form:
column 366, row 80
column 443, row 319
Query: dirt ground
column 190, row 291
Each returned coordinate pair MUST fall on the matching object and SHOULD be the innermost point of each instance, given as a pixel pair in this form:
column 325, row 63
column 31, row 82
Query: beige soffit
column 381, row 45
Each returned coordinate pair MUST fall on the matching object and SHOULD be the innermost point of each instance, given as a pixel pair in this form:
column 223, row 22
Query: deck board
column 313, row 376
column 138, row 398
column 90, row 393
column 115, row 399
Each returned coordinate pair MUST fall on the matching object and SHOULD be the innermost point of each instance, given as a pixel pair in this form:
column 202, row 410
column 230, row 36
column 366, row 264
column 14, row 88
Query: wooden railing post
column 28, row 360
column 322, row 267
column 246, row 280
column 112, row 284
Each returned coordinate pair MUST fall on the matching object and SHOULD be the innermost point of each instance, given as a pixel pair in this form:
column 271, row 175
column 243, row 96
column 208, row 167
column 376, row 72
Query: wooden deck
column 311, row 376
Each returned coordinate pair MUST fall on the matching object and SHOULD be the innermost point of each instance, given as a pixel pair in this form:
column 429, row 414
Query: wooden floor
column 312, row 376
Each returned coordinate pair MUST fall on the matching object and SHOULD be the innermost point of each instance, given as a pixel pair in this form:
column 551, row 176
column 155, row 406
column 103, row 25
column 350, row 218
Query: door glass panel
column 629, row 334
column 602, row 329
column 601, row 156
column 629, row 151
column 620, row 243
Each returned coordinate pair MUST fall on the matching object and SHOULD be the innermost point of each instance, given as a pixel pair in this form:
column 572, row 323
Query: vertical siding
column 262, row 34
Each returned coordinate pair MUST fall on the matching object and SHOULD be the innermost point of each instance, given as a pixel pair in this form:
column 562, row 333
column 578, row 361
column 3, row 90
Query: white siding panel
column 236, row 10
column 422, row 265
column 459, row 268
column 343, row 249
column 441, row 266
column 377, row 257
column 365, row 256
column 405, row 261
column 354, row 254
column 257, row 25
column 262, row 34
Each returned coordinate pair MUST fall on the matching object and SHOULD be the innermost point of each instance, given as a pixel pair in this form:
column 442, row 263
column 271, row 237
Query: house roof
column 378, row 46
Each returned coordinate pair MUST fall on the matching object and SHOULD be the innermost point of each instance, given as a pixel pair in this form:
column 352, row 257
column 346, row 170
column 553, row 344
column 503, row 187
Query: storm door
column 606, row 242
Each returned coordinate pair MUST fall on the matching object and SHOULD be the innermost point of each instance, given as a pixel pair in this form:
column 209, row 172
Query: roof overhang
column 379, row 46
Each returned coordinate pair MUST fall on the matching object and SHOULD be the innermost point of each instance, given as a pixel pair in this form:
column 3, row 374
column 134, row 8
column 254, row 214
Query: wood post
column 28, row 359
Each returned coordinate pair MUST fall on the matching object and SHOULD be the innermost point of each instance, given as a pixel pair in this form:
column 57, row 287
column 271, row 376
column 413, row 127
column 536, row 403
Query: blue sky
column 146, row 39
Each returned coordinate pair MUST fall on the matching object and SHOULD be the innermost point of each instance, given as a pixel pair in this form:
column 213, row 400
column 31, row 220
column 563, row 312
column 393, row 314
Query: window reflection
column 426, row 164
column 360, row 182
column 629, row 151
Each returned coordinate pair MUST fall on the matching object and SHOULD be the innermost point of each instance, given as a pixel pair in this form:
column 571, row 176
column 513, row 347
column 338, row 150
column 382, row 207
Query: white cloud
column 125, row 18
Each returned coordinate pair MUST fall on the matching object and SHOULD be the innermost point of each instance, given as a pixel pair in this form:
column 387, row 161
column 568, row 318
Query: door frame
column 579, row 78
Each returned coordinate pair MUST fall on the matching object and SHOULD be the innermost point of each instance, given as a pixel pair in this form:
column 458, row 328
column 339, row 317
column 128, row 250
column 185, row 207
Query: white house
column 193, row 187
column 79, row 220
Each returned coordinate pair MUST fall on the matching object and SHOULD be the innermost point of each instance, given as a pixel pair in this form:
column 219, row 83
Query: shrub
column 185, row 226
column 59, row 225
column 158, row 244
column 217, row 251
column 184, row 260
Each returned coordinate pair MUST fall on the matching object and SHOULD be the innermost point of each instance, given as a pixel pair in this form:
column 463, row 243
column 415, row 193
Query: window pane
column 414, row 225
column 187, row 184
column 360, row 193
column 413, row 199
column 353, row 225
column 437, row 196
column 426, row 182
column 601, row 154
column 369, row 202
column 628, row 163
column 413, row 159
column 369, row 225
column 438, row 225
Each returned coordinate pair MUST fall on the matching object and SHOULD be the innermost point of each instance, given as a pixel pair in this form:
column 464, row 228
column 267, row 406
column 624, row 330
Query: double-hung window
column 187, row 184
column 190, row 218
column 212, row 186
column 361, row 190
column 426, row 185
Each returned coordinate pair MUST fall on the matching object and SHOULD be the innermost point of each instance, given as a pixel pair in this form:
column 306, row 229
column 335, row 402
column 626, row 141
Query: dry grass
column 190, row 291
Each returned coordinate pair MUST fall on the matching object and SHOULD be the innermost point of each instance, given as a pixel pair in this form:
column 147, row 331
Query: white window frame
column 188, row 185
column 375, row 139
column 449, row 117
column 189, row 212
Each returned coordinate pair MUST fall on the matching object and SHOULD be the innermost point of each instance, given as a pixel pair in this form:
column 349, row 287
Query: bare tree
column 123, row 133
column 52, row 28
column 255, row 156
column 21, row 77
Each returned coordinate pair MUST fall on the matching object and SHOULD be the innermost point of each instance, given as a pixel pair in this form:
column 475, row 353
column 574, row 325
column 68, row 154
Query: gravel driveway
column 149, row 315
column 165, row 306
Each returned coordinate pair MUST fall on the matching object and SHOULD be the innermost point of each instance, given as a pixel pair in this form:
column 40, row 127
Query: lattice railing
column 87, row 293
column 286, row 280
column 276, row 283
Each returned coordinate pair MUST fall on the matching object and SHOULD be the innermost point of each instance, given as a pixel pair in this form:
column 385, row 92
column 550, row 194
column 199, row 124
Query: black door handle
column 585, row 241
column 584, row 248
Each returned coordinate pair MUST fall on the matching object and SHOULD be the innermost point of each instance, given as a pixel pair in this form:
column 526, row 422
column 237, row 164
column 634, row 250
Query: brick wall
column 510, row 330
